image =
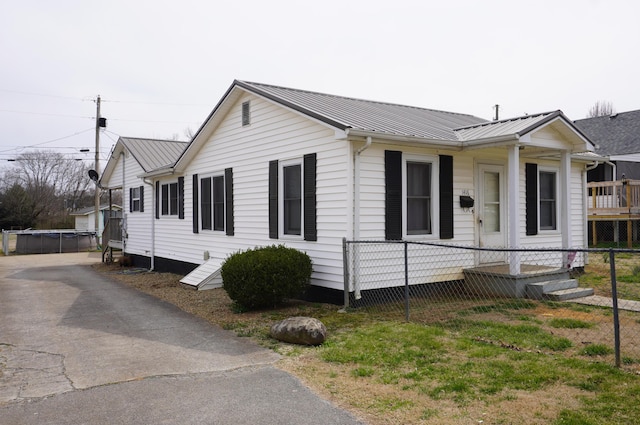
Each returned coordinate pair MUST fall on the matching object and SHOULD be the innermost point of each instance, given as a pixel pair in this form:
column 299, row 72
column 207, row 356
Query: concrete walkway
column 597, row 300
column 78, row 348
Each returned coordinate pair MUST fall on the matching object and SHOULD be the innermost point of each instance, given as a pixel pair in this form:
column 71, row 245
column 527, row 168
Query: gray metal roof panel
column 615, row 134
column 152, row 154
column 369, row 116
column 512, row 126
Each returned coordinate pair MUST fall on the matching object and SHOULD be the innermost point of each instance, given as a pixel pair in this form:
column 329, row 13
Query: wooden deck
column 614, row 201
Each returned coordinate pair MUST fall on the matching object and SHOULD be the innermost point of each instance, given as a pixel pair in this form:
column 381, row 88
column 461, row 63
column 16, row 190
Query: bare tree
column 55, row 183
column 189, row 133
column 601, row 109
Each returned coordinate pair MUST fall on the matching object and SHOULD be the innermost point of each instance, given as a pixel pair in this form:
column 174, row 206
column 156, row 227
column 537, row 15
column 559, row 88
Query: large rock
column 300, row 330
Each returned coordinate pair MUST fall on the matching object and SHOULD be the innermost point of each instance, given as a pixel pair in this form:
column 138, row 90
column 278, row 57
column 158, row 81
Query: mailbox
column 466, row 201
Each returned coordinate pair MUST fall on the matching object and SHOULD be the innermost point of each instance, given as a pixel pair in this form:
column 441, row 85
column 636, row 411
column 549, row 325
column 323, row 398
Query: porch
column 616, row 202
column 533, row 282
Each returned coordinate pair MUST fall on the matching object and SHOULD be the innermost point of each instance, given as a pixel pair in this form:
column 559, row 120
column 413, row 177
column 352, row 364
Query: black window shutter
column 130, row 199
column 181, row 198
column 310, row 211
column 141, row 198
column 228, row 201
column 393, row 195
column 273, row 199
column 157, row 200
column 446, row 197
column 531, row 198
column 195, row 204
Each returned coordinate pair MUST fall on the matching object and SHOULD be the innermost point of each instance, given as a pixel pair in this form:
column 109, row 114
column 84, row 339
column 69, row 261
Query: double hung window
column 419, row 209
column 292, row 199
column 548, row 200
column 212, row 203
column 170, row 199
column 136, row 199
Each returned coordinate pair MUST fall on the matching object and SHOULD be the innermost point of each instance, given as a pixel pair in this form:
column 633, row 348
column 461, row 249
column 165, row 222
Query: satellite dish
column 93, row 175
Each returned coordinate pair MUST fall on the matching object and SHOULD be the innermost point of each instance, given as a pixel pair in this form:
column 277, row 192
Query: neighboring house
column 614, row 184
column 85, row 218
column 130, row 159
column 616, row 137
column 273, row 165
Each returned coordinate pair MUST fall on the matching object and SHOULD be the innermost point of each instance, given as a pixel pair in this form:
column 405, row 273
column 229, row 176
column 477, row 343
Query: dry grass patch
column 365, row 390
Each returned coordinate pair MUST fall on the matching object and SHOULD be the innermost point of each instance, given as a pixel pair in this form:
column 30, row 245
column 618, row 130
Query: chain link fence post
column 614, row 299
column 406, row 281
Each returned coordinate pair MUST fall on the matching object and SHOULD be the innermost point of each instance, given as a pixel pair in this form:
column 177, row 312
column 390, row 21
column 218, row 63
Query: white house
column 274, row 165
column 130, row 158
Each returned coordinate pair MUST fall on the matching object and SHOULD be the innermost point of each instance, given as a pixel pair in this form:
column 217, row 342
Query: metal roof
column 152, row 154
column 508, row 127
column 365, row 115
column 616, row 134
column 89, row 210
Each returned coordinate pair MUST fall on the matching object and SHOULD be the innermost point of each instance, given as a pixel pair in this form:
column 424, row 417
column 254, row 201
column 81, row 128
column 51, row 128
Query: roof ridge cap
column 250, row 83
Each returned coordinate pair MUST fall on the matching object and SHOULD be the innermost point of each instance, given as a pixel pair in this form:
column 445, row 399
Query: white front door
column 490, row 212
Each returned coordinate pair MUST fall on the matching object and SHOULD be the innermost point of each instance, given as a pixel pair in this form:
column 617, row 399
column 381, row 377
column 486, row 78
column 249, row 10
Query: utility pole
column 96, row 199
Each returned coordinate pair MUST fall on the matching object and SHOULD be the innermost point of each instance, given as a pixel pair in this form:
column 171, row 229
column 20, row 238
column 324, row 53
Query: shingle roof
column 152, row 154
column 365, row 115
column 617, row 134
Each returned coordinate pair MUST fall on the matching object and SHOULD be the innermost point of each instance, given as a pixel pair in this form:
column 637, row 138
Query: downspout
column 585, row 207
column 356, row 224
column 124, row 215
column 356, row 214
column 153, row 225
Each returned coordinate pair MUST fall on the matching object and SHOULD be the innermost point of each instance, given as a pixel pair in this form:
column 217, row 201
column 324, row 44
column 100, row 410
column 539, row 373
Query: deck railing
column 621, row 197
column 616, row 202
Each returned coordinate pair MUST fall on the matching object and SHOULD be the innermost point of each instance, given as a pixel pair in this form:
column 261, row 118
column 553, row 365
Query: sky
column 160, row 66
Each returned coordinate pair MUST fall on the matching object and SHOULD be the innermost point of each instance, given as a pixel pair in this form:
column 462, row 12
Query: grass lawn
column 483, row 362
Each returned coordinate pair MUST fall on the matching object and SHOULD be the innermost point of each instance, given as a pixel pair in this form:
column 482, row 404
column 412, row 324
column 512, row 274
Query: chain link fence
column 588, row 298
column 614, row 233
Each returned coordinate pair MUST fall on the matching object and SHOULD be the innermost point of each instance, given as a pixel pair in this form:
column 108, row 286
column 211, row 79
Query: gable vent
column 246, row 115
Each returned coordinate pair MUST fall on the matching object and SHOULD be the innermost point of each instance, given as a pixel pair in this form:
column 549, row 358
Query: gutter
column 421, row 141
column 158, row 172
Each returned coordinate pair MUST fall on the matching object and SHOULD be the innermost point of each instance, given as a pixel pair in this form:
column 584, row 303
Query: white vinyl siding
column 274, row 133
column 136, row 225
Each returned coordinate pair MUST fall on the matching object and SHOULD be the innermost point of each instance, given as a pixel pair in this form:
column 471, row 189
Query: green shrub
column 264, row 277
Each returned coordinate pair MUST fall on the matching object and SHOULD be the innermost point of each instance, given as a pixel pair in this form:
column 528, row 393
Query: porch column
column 513, row 216
column 565, row 202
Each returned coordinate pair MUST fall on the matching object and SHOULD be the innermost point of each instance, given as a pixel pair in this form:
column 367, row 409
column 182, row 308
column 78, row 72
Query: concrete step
column 538, row 290
column 568, row 294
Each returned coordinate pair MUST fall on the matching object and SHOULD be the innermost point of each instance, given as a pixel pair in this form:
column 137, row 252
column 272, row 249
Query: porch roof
column 151, row 154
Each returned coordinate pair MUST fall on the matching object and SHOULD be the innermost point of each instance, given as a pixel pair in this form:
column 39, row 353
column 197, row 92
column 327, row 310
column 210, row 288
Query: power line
column 42, row 95
column 51, row 141
column 44, row 113
column 91, row 99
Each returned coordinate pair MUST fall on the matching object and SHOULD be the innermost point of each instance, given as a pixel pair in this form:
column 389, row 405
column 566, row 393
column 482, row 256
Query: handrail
column 614, row 197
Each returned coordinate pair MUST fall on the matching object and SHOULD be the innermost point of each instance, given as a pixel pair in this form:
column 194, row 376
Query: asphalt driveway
column 78, row 348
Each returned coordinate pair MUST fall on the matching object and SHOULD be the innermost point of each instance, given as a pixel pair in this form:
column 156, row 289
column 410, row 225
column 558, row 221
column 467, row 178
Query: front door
column 490, row 212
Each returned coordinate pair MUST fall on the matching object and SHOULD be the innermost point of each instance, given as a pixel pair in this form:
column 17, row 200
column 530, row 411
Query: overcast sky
column 161, row 66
